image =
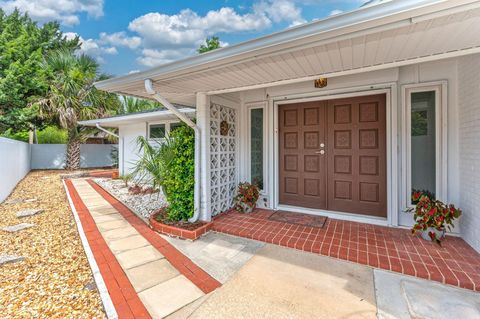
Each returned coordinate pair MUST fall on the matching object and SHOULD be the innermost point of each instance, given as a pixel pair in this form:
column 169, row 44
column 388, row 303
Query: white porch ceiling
column 409, row 39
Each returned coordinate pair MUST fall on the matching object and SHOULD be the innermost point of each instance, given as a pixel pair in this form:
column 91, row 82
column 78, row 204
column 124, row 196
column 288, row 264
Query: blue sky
column 127, row 36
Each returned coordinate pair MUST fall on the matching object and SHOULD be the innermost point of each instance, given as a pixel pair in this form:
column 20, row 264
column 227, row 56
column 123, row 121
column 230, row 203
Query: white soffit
column 382, row 36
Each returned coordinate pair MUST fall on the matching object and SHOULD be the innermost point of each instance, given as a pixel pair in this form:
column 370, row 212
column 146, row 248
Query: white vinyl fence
column 14, row 164
column 18, row 158
column 52, row 156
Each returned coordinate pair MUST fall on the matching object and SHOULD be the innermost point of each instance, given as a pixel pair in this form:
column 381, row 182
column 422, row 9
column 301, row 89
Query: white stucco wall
column 127, row 146
column 469, row 147
column 14, row 164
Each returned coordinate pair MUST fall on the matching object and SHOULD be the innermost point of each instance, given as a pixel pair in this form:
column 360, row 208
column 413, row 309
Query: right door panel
column 356, row 153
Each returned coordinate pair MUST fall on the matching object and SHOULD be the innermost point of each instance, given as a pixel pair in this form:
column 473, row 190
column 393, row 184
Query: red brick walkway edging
column 182, row 263
column 124, row 298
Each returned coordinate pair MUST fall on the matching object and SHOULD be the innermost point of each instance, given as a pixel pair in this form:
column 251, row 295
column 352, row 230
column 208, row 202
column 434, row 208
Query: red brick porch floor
column 454, row 263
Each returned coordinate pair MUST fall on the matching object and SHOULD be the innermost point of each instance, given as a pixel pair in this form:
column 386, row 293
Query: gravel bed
column 142, row 205
column 54, row 280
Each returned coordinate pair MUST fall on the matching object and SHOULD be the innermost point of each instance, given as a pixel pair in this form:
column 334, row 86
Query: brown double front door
column 333, row 155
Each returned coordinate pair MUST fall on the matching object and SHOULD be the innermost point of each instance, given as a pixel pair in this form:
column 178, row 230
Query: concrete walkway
column 285, row 283
column 161, row 288
column 279, row 282
column 260, row 280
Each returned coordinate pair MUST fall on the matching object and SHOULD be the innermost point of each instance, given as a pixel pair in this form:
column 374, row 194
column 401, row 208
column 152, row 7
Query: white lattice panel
column 222, row 158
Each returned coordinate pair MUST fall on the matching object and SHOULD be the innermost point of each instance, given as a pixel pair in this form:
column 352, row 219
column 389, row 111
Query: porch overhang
column 382, row 36
column 148, row 116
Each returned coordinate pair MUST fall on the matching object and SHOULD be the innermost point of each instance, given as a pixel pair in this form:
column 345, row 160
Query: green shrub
column 179, row 173
column 52, row 135
column 171, row 165
column 19, row 136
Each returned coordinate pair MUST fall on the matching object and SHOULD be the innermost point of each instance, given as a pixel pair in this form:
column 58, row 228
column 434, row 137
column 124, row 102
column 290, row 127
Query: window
column 257, row 147
column 423, row 142
column 156, row 131
column 425, row 156
column 174, row 126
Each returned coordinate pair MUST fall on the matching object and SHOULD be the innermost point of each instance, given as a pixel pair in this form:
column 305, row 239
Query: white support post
column 203, row 122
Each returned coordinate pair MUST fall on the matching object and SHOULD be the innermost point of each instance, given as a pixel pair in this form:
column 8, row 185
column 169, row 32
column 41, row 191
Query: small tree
column 210, row 44
column 72, row 97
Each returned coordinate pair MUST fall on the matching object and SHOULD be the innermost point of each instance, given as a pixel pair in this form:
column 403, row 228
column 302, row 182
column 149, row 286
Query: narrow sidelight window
column 423, row 142
column 256, row 147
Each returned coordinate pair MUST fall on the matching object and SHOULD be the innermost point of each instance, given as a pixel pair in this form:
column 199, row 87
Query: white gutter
column 196, row 193
column 106, row 131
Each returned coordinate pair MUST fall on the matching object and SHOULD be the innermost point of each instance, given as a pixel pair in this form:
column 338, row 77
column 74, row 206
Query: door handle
column 320, row 152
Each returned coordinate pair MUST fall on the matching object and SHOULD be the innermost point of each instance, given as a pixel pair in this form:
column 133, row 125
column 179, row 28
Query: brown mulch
column 161, row 217
column 55, row 280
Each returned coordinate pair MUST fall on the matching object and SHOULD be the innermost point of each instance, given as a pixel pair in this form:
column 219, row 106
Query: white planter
column 440, row 233
column 246, row 208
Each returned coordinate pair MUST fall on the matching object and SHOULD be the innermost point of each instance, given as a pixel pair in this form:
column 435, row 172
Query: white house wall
column 445, row 70
column 469, row 147
column 127, row 146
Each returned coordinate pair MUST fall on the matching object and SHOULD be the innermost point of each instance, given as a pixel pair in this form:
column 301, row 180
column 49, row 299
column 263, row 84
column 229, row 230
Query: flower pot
column 115, row 175
column 439, row 233
column 246, row 208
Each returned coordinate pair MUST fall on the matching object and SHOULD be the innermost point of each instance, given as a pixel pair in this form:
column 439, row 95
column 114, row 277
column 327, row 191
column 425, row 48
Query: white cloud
column 65, row 11
column 335, row 12
column 169, row 37
column 120, row 39
column 92, row 47
column 154, row 57
column 281, row 10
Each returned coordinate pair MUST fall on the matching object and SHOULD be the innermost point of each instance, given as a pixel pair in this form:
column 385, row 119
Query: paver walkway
column 141, row 281
column 395, row 249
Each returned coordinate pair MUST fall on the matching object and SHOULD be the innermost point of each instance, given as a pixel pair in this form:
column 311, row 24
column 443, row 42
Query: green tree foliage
column 132, row 104
column 23, row 45
column 210, row 44
column 72, row 97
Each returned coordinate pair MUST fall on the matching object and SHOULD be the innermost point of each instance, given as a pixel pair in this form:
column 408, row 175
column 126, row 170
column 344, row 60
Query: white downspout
column 196, row 193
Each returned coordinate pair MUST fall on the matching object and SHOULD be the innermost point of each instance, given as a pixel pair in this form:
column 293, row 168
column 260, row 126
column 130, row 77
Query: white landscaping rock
column 142, row 205
column 18, row 227
column 5, row 259
column 29, row 212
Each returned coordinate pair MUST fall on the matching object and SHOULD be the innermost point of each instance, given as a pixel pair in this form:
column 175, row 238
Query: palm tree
column 72, row 97
column 132, row 104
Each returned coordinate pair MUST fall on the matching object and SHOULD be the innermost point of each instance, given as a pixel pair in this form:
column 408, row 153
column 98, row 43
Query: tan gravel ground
column 50, row 283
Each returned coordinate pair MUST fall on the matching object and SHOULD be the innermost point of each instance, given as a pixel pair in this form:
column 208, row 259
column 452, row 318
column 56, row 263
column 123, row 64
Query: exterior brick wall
column 469, row 142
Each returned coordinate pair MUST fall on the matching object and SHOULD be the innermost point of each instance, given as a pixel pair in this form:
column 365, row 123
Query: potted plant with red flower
column 432, row 217
column 247, row 197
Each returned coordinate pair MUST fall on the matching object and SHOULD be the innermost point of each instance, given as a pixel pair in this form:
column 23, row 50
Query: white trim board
column 441, row 131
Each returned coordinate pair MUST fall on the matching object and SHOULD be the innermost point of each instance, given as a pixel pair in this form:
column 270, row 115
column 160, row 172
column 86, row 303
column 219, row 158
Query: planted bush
column 52, row 135
column 171, row 165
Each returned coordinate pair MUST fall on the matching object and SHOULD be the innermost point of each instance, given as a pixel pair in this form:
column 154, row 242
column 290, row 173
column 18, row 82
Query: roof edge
column 344, row 20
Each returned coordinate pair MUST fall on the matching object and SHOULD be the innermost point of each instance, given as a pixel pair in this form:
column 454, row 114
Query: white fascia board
column 361, row 19
column 135, row 118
